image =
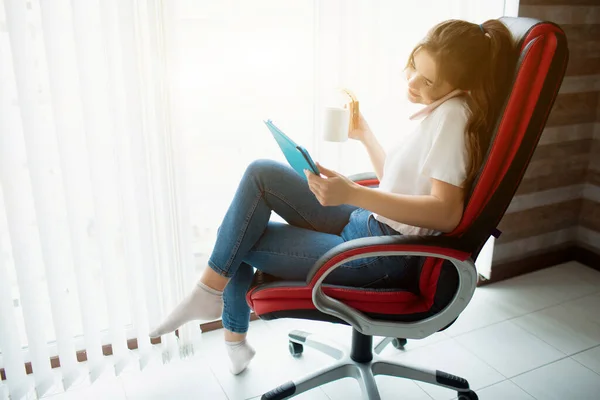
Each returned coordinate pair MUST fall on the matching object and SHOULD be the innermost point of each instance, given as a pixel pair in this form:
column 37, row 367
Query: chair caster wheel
column 399, row 343
column 296, row 349
column 470, row 395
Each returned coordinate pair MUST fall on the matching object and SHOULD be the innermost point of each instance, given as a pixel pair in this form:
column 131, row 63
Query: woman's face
column 423, row 86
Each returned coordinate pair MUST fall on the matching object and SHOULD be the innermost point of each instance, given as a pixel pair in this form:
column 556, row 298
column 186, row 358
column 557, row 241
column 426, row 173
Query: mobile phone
column 309, row 160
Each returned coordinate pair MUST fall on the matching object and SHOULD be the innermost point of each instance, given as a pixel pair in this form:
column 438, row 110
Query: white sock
column 203, row 303
column 240, row 355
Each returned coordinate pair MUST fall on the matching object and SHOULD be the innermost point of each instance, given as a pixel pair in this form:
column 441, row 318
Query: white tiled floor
column 532, row 337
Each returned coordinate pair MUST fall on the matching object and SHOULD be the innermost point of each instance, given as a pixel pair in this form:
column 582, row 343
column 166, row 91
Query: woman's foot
column 240, row 354
column 203, row 303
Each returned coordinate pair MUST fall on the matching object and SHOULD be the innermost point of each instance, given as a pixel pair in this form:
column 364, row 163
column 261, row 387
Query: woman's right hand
column 361, row 130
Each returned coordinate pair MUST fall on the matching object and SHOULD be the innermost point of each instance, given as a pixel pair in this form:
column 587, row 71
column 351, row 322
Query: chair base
column 361, row 364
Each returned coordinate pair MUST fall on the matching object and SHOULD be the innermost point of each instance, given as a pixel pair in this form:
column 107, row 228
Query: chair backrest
column 539, row 71
column 543, row 56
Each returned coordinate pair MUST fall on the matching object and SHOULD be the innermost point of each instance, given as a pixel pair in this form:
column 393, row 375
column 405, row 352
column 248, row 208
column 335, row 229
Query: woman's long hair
column 479, row 59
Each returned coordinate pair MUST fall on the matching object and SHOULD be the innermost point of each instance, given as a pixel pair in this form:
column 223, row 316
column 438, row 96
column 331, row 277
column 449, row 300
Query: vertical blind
column 125, row 126
column 92, row 251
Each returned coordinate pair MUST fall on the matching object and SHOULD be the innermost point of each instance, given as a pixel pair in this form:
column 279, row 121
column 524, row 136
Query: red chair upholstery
column 447, row 275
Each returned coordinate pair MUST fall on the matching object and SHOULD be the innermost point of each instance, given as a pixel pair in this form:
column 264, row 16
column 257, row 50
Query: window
column 236, row 63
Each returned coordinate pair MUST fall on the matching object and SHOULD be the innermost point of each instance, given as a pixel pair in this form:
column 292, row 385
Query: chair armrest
column 363, row 176
column 431, row 246
column 365, row 179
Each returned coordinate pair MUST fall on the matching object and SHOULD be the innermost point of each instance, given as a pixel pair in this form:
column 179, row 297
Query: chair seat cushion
column 272, row 298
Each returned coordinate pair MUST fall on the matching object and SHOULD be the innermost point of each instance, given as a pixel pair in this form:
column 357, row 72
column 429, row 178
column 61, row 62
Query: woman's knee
column 262, row 169
column 261, row 166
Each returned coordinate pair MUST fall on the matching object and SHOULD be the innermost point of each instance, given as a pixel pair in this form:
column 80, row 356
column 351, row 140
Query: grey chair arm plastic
column 434, row 246
column 362, row 176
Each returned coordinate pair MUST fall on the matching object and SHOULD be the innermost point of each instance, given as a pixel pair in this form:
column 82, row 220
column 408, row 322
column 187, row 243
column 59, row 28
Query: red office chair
column 447, row 274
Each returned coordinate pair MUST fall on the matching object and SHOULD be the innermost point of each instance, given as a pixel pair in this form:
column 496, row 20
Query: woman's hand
column 361, row 130
column 333, row 190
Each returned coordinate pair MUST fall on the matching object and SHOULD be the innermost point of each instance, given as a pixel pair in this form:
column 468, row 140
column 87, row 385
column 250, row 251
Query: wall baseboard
column 587, row 257
column 536, row 262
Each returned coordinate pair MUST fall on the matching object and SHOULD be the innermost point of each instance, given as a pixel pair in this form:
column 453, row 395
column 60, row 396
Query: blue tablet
column 297, row 156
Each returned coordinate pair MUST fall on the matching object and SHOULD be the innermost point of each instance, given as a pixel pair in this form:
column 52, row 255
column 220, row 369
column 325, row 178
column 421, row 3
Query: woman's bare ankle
column 213, row 280
column 233, row 336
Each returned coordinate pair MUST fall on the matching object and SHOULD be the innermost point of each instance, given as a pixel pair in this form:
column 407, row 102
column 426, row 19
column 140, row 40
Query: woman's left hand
column 333, row 190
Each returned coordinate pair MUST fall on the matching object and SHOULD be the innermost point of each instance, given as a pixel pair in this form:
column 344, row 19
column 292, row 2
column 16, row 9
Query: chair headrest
column 519, row 28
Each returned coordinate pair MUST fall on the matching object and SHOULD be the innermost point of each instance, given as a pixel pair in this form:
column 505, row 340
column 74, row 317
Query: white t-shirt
column 435, row 149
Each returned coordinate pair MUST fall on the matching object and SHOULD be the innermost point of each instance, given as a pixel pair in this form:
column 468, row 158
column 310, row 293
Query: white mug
column 336, row 122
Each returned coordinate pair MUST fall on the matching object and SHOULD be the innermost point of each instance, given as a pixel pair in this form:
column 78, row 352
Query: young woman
column 460, row 72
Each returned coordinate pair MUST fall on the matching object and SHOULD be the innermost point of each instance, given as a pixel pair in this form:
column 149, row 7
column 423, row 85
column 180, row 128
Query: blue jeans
column 247, row 239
